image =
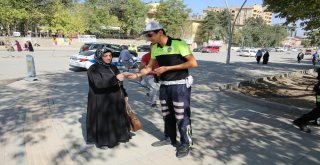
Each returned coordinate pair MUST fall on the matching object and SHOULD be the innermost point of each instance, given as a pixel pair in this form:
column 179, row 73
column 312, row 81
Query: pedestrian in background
column 265, row 58
column 125, row 57
column 30, row 47
column 151, row 79
column 26, row 46
column 315, row 58
column 19, row 48
column 314, row 115
column 258, row 56
column 300, row 57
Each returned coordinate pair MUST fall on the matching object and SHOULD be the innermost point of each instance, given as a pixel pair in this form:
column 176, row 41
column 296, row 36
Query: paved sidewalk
column 43, row 122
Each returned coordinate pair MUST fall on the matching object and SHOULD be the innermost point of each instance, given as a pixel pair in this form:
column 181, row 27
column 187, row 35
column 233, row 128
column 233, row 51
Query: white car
column 248, row 52
column 86, row 59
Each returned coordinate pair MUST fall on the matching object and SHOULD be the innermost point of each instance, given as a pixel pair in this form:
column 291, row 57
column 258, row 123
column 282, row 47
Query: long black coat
column 107, row 120
column 265, row 58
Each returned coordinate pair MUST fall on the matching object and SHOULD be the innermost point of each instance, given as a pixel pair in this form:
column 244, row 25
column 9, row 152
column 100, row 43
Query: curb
column 266, row 103
column 236, row 85
column 9, row 81
column 228, row 89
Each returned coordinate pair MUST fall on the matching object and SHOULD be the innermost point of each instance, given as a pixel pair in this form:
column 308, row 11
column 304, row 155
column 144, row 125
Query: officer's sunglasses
column 149, row 35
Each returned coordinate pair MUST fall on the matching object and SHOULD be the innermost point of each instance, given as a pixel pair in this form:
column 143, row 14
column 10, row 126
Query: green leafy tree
column 305, row 10
column 134, row 17
column 172, row 14
column 99, row 20
column 313, row 38
column 258, row 34
column 237, row 38
column 11, row 13
column 130, row 13
column 213, row 27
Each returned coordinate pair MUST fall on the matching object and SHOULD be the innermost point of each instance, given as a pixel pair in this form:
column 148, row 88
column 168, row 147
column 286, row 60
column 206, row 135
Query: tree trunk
column 8, row 30
column 36, row 31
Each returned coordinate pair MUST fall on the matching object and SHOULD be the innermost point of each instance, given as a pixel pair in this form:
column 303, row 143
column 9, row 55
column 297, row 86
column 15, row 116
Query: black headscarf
column 98, row 56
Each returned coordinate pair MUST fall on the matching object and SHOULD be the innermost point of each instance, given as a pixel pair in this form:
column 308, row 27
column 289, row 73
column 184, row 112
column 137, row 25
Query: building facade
column 246, row 13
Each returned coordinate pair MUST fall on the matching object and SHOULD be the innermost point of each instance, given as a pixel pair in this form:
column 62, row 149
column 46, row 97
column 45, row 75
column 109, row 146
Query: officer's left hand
column 161, row 70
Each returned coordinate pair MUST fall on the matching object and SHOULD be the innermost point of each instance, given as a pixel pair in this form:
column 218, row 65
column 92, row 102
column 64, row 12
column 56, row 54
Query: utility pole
column 231, row 28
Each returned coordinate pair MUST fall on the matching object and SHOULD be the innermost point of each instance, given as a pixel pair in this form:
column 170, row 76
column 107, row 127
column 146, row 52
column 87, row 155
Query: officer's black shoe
column 302, row 127
column 182, row 151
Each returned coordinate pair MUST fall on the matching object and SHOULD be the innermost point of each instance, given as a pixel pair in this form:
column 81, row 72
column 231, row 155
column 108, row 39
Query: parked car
column 144, row 48
column 210, row 49
column 280, row 50
column 248, row 52
column 94, row 46
column 309, row 51
column 239, row 50
column 198, row 49
column 86, row 59
column 271, row 49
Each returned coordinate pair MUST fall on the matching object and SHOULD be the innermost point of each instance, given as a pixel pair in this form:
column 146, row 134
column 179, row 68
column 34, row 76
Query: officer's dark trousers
column 313, row 115
column 175, row 105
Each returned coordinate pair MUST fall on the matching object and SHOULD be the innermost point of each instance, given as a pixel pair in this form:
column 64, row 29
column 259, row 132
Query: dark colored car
column 95, row 46
column 198, row 49
column 144, row 48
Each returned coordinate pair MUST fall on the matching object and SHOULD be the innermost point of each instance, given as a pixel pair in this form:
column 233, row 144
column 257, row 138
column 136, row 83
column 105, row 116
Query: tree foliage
column 305, row 10
column 172, row 14
column 213, row 27
column 256, row 33
column 313, row 38
column 72, row 16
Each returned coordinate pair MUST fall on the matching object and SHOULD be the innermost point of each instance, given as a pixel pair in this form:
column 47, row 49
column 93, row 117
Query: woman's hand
column 132, row 76
column 120, row 77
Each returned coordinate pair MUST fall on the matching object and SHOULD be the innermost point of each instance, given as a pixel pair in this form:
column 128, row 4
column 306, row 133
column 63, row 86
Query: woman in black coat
column 107, row 120
column 30, row 46
column 265, row 58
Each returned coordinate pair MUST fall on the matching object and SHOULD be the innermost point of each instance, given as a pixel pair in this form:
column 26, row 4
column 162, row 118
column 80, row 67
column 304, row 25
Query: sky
column 198, row 5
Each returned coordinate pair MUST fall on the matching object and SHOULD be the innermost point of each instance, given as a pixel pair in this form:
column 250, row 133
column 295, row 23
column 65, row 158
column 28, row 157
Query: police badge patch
column 169, row 49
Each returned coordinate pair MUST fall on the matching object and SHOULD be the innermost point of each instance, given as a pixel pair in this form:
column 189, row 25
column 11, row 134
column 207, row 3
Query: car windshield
column 89, row 53
column 85, row 47
column 116, row 47
column 96, row 46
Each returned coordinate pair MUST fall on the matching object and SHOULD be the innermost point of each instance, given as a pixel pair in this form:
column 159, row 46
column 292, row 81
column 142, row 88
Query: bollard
column 31, row 73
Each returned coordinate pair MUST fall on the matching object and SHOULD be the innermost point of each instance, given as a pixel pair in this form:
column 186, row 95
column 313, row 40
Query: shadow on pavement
column 48, row 118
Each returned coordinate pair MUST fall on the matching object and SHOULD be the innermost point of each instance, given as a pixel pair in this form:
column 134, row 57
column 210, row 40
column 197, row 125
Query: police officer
column 174, row 58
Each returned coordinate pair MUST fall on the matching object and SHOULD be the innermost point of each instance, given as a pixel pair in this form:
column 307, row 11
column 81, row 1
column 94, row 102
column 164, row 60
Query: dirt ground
column 294, row 90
